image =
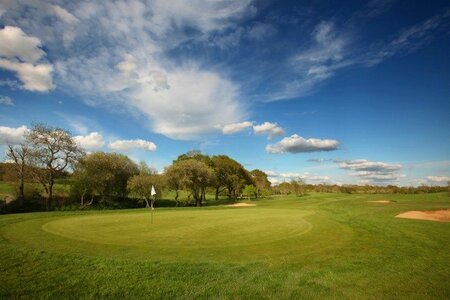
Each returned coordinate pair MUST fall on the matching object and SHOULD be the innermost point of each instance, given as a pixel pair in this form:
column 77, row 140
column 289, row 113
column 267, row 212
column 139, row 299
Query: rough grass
column 319, row 246
column 6, row 189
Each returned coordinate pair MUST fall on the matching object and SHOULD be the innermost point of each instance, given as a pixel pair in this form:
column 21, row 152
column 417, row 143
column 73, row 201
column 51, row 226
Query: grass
column 318, row 246
column 6, row 189
column 61, row 188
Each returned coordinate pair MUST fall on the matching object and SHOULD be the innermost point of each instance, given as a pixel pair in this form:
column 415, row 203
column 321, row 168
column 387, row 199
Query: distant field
column 318, row 246
column 8, row 188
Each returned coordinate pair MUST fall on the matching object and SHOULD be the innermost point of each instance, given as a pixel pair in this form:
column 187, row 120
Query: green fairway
column 317, row 246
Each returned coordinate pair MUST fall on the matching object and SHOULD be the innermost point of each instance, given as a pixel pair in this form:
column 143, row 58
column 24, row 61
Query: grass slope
column 319, row 246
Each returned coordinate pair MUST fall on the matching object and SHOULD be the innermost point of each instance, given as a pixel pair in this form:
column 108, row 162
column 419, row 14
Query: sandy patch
column 241, row 204
column 381, row 201
column 431, row 215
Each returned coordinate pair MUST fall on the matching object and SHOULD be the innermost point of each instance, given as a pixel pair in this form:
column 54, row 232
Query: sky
column 329, row 93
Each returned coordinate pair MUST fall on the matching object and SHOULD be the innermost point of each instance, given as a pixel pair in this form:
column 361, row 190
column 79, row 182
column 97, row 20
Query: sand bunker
column 381, row 201
column 241, row 204
column 431, row 215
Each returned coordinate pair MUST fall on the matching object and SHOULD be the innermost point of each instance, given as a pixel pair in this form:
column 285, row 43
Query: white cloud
column 372, row 172
column 298, row 144
column 271, row 129
column 19, row 53
column 192, row 106
column 277, row 178
column 10, row 135
column 439, row 179
column 236, row 127
column 270, row 173
column 125, row 145
column 181, row 99
column 369, row 166
column 36, row 78
column 15, row 44
column 5, row 100
column 92, row 141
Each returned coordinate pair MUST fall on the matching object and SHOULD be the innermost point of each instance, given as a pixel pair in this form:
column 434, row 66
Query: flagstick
column 152, row 217
column 153, row 193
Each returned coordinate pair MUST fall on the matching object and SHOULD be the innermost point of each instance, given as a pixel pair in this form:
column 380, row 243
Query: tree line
column 48, row 154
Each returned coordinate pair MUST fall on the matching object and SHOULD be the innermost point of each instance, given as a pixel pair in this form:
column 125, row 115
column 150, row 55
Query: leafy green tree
column 261, row 181
column 284, row 188
column 141, row 186
column 249, row 191
column 105, row 174
column 146, row 169
column 298, row 187
column 195, row 177
column 174, row 179
column 229, row 175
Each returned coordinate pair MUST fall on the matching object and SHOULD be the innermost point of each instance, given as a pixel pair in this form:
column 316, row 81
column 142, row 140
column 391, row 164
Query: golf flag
column 153, row 192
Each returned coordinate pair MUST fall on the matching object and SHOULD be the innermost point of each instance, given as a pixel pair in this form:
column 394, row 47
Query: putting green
column 227, row 234
column 176, row 229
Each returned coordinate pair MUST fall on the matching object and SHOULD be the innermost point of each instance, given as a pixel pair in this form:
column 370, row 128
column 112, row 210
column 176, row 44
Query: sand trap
column 431, row 215
column 241, row 204
column 381, row 201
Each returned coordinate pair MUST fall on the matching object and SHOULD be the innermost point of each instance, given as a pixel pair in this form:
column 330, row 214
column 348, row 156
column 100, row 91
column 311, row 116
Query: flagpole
column 153, row 194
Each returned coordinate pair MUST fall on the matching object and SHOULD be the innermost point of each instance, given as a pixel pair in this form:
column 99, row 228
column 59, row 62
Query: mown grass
column 318, row 246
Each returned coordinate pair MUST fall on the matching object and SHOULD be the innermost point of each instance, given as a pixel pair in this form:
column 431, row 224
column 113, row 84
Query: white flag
column 153, row 192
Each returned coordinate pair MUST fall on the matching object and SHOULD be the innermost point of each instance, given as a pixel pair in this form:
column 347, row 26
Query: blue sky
column 354, row 93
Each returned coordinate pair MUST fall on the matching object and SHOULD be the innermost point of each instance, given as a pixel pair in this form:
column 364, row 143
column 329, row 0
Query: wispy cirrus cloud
column 333, row 49
column 5, row 100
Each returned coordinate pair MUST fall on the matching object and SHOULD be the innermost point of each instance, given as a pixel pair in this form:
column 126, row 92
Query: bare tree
column 52, row 151
column 19, row 154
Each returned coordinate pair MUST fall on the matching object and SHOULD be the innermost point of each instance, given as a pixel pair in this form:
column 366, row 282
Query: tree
column 298, row 187
column 174, row 179
column 249, row 191
column 82, row 186
column 284, row 188
column 260, row 180
column 195, row 176
column 141, row 186
column 145, row 169
column 229, row 175
column 19, row 155
column 52, row 151
column 104, row 174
